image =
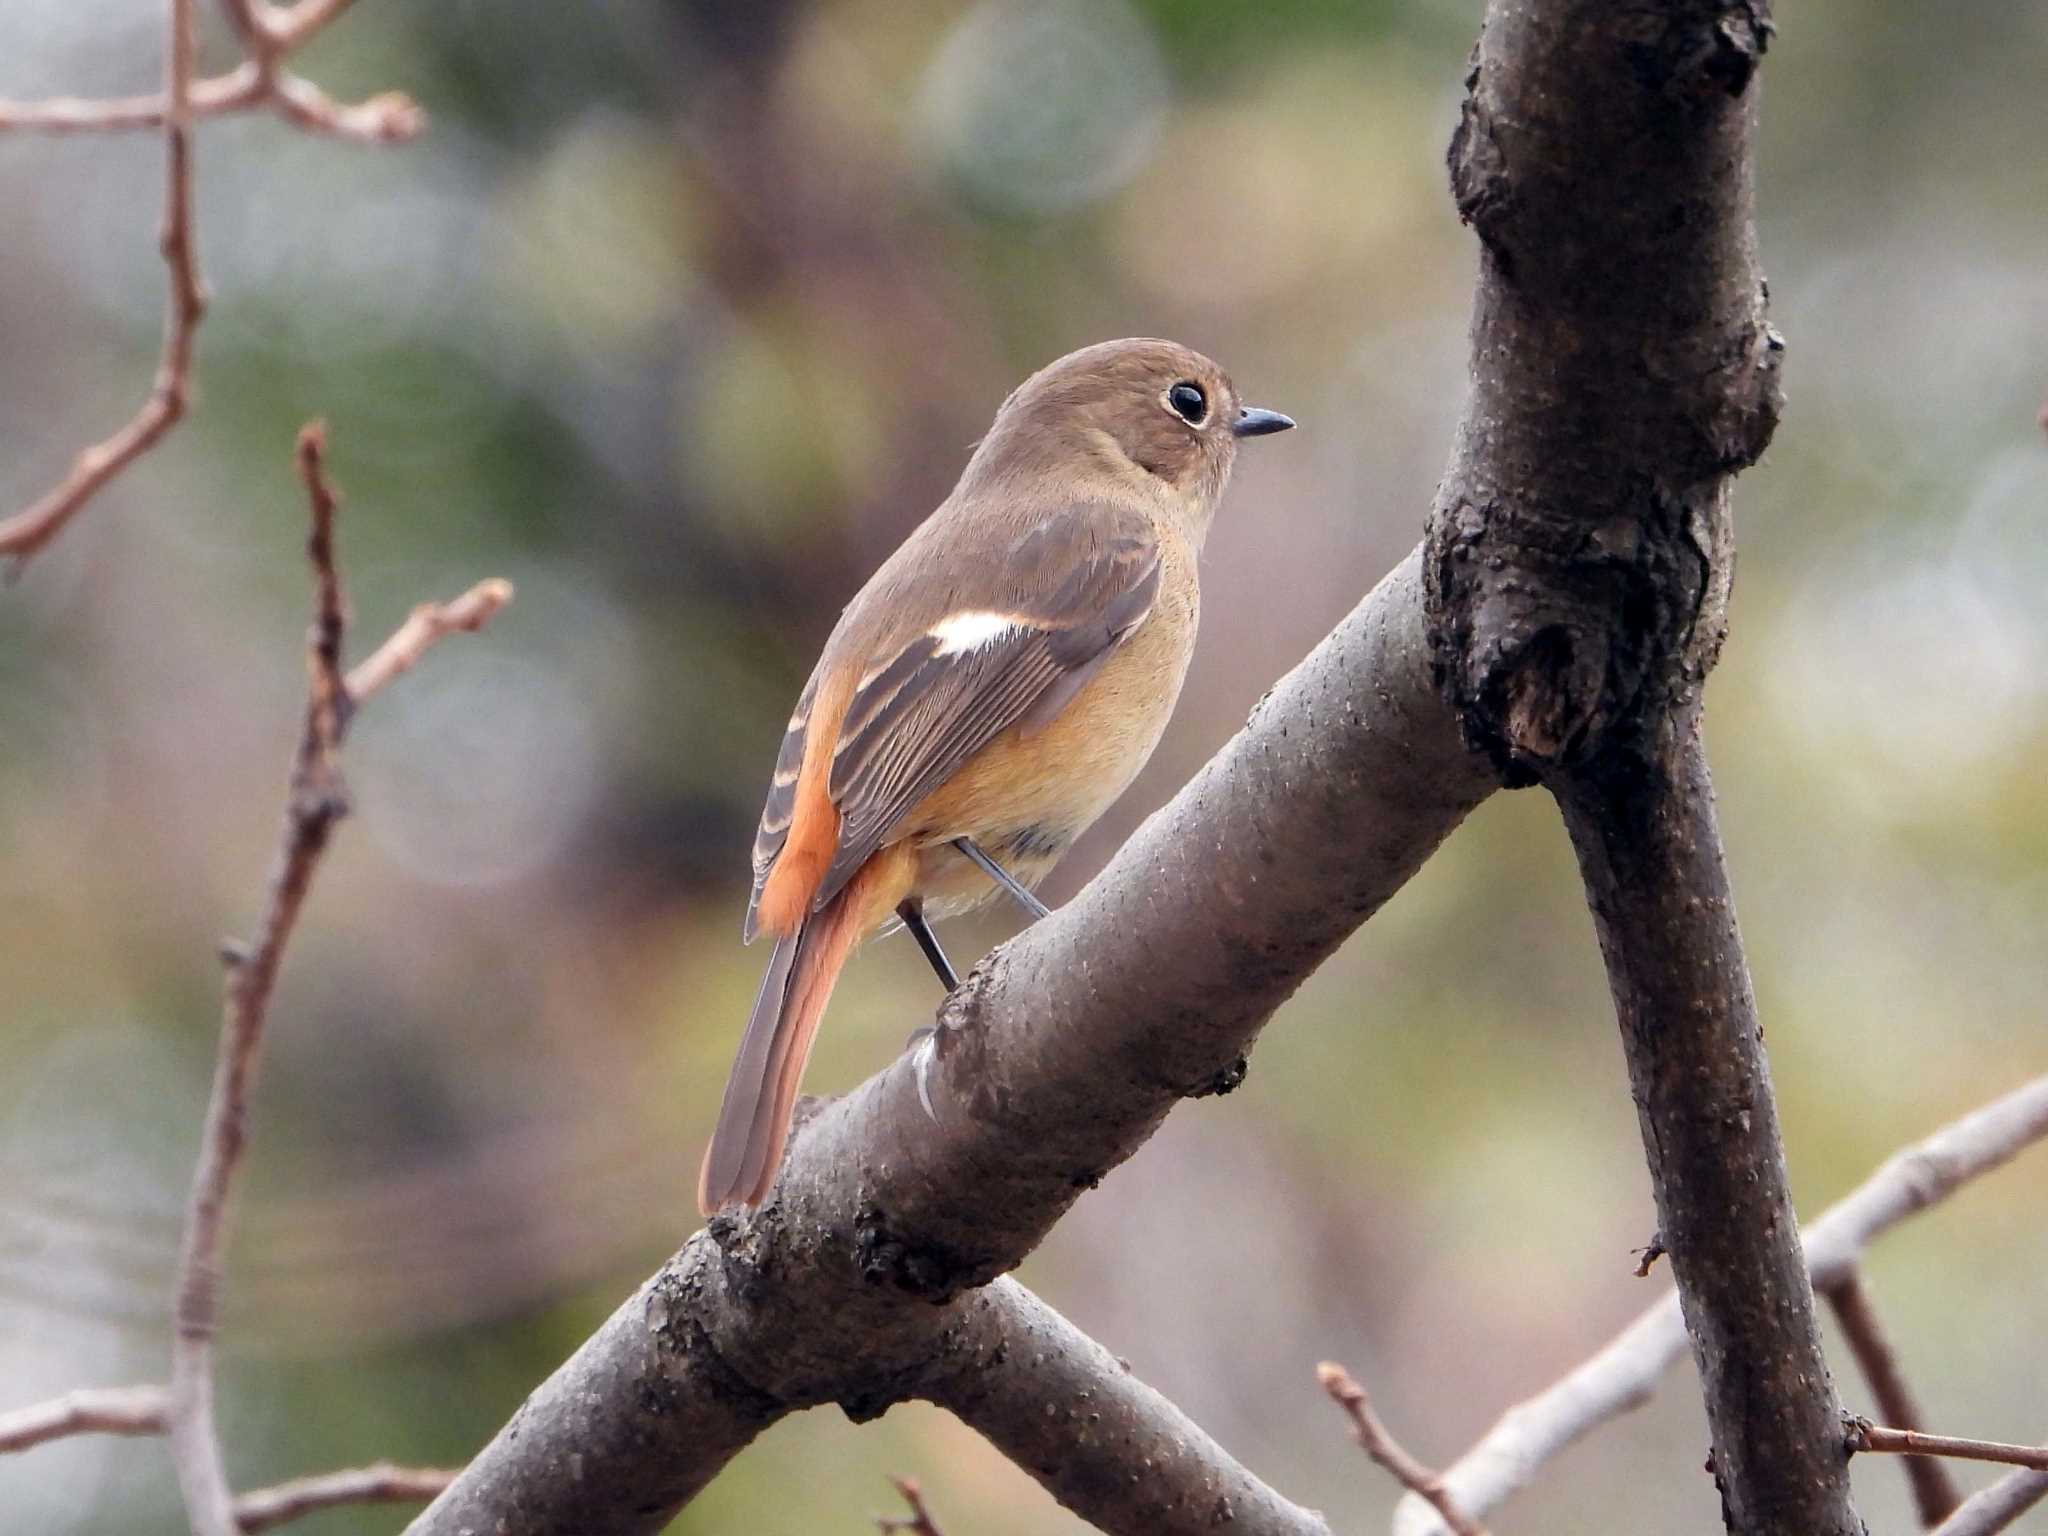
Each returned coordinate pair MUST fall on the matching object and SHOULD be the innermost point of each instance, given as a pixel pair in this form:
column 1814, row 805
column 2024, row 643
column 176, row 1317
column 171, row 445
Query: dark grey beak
column 1253, row 422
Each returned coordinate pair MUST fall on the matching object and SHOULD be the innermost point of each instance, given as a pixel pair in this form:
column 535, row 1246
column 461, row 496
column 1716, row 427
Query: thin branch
column 88, row 1411
column 1866, row 1436
column 316, row 801
column 381, row 1483
column 259, row 81
column 22, row 535
column 236, row 91
column 428, row 625
column 1383, row 1448
column 1935, row 1494
column 920, row 1521
column 1623, row 1374
column 1996, row 1507
column 390, row 117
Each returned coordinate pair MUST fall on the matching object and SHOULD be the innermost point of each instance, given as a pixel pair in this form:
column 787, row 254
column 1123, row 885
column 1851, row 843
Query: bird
column 991, row 690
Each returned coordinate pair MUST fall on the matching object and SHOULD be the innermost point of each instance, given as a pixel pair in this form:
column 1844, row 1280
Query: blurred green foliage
column 681, row 315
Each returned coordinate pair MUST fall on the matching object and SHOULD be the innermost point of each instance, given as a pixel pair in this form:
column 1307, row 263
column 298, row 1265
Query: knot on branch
column 1552, row 634
column 1698, row 53
column 1480, row 186
column 933, row 1272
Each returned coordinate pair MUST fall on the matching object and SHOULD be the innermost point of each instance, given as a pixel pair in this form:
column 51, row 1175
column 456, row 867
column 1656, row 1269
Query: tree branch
column 316, row 801
column 1996, row 1507
column 147, row 1411
column 1375, row 1440
column 1053, row 1063
column 1623, row 1375
column 22, row 535
column 1108, row 1447
column 1650, row 853
column 427, row 626
column 1935, row 1494
column 1579, row 557
column 88, row 1411
column 920, row 1522
column 381, row 1483
column 1866, row 1436
column 259, row 81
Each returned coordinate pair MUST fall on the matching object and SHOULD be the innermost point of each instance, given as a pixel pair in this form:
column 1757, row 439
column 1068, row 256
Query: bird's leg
column 911, row 911
column 1002, row 877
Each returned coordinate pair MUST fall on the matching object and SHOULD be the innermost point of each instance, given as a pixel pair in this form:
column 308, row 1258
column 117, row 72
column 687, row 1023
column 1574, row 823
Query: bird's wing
column 1010, row 642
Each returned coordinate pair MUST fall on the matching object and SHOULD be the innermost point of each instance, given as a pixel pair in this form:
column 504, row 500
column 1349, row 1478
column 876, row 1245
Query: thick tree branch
column 1624, row 1373
column 1579, row 559
column 1935, row 1494
column 1079, row 1420
column 1651, row 856
column 1053, row 1063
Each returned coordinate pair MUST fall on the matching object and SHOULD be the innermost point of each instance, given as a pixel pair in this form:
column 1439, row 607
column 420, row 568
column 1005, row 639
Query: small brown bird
column 989, row 692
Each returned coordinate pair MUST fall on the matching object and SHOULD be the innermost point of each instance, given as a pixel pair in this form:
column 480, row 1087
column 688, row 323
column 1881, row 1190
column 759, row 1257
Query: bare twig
column 270, row 35
column 317, row 800
column 88, row 1411
column 1383, row 1448
column 1623, row 1374
column 239, row 90
column 428, row 625
column 22, row 535
column 381, row 1483
column 390, row 117
column 1866, row 1436
column 259, row 81
column 919, row 1522
column 1934, row 1492
column 1996, row 1507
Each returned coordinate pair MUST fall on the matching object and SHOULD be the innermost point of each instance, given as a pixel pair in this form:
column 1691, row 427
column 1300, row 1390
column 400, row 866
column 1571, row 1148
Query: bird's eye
column 1188, row 403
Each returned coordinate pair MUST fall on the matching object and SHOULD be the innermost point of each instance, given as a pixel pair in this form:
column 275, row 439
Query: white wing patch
column 972, row 630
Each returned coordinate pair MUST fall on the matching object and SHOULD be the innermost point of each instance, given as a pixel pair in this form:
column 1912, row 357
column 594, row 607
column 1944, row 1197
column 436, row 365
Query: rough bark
column 1579, row 559
column 856, row 1283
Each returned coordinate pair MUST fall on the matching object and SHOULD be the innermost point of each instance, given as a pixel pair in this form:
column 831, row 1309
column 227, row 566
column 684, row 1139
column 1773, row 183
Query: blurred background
column 681, row 315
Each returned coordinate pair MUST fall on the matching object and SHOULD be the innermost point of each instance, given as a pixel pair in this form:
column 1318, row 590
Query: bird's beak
column 1254, row 422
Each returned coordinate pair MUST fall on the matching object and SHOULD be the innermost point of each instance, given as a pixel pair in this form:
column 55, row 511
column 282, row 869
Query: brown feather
column 760, row 1094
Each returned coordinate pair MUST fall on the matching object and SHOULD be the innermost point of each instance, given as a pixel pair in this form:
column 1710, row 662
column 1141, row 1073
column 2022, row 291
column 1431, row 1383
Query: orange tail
column 753, row 1121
